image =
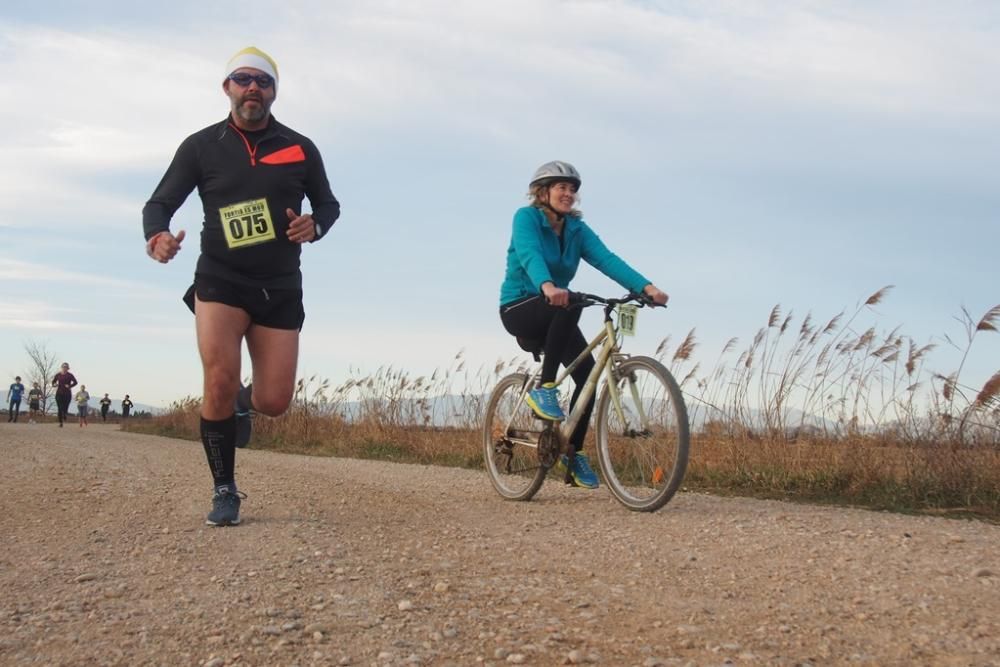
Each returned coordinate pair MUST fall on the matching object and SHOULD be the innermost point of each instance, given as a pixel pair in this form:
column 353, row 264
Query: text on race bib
column 246, row 223
column 627, row 315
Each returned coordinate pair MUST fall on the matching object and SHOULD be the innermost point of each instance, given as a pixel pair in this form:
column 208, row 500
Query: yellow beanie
column 255, row 58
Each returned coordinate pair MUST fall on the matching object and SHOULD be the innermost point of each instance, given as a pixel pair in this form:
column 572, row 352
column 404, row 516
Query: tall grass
column 834, row 381
column 822, row 410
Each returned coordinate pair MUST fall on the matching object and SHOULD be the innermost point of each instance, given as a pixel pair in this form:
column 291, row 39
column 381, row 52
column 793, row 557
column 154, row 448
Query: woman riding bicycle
column 548, row 240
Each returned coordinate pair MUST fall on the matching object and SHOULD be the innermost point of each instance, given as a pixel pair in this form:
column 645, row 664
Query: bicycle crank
column 548, row 446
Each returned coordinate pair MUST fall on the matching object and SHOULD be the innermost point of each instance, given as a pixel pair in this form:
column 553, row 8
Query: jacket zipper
column 508, row 308
column 246, row 142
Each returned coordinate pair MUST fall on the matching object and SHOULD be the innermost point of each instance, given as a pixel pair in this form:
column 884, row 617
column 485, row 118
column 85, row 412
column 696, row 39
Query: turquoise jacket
column 535, row 256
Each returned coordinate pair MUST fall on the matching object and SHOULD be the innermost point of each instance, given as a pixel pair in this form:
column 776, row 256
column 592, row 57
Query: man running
column 252, row 173
column 14, row 395
column 126, row 407
column 34, row 403
column 105, row 406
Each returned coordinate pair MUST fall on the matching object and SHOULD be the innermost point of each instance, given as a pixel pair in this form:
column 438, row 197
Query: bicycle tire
column 514, row 469
column 643, row 467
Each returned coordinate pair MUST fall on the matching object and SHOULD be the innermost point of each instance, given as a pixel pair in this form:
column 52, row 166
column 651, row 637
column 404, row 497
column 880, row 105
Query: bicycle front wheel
column 510, row 441
column 643, row 437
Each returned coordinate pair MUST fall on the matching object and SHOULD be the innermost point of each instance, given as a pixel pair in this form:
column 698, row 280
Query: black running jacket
column 246, row 188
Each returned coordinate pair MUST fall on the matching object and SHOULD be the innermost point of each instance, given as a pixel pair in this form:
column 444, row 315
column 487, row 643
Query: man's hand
column 301, row 228
column 164, row 246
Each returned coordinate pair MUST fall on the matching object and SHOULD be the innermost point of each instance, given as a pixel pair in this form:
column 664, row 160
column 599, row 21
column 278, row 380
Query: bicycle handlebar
column 583, row 300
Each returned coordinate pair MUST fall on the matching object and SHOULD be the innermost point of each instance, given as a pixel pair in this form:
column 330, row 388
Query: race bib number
column 627, row 315
column 246, row 223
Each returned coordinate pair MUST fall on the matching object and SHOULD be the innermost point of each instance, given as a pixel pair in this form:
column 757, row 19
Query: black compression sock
column 219, row 441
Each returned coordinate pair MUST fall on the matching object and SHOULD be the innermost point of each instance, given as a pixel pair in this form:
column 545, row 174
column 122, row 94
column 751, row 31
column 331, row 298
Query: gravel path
column 106, row 560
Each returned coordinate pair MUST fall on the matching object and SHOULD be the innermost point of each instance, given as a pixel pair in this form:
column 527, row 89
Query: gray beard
column 251, row 116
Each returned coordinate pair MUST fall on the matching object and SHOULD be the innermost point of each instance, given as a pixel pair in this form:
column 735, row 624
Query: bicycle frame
column 610, row 347
column 604, row 363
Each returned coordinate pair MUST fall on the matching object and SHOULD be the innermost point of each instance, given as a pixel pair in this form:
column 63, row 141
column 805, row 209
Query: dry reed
column 825, row 413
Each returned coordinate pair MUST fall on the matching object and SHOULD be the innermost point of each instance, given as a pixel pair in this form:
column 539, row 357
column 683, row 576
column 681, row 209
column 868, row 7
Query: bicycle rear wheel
column 510, row 441
column 643, row 438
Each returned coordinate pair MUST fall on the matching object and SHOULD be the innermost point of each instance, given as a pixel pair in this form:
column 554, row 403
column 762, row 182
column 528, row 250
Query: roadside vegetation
column 821, row 411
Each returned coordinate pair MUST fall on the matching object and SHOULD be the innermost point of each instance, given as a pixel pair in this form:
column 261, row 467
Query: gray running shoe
column 225, row 508
column 244, row 419
column 244, row 428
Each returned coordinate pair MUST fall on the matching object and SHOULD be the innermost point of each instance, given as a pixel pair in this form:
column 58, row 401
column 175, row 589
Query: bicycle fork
column 639, row 409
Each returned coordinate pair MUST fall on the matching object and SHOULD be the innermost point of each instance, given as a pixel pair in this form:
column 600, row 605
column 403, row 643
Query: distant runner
column 105, row 406
column 126, row 407
column 14, row 394
column 64, row 381
column 82, row 404
column 34, row 403
column 252, row 174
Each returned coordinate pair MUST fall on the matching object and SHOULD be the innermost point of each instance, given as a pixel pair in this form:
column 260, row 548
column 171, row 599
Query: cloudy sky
column 740, row 154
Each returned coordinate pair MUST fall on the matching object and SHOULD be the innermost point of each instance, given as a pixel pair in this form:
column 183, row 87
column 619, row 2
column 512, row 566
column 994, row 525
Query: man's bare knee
column 220, row 388
column 272, row 406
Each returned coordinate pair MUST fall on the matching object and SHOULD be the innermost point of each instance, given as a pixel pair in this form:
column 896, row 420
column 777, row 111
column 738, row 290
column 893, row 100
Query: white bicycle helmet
column 554, row 171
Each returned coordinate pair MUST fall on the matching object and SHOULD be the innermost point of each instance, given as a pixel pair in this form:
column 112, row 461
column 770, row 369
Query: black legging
column 62, row 403
column 534, row 318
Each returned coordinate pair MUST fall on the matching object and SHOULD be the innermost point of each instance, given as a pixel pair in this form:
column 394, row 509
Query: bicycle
column 641, row 423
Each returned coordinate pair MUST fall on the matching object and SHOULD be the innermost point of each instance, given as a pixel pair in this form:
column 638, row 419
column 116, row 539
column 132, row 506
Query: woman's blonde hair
column 538, row 196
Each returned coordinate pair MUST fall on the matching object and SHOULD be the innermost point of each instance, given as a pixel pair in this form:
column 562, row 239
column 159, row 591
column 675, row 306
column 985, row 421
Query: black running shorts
column 274, row 308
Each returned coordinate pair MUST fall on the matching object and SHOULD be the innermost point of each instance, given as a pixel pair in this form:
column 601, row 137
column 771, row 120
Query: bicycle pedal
column 547, row 420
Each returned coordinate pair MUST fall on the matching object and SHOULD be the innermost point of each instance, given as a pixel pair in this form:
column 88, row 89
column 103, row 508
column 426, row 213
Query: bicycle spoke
column 643, row 435
column 510, row 441
column 519, row 471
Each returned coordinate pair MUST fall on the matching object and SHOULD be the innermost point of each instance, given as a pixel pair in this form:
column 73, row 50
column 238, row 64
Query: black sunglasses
column 243, row 79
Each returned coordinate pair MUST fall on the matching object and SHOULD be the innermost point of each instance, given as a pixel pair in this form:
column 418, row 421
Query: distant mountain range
column 451, row 410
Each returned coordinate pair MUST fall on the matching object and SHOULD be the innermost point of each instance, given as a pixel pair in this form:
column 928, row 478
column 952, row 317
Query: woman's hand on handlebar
column 556, row 296
column 658, row 296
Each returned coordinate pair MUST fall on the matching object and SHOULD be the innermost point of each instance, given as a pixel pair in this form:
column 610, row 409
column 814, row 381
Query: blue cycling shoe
column 582, row 474
column 545, row 402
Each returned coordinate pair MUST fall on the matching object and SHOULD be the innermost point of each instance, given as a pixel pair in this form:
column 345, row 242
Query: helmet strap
column 558, row 216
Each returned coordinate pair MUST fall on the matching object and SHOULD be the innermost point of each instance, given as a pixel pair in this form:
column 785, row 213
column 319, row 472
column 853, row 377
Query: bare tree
column 43, row 368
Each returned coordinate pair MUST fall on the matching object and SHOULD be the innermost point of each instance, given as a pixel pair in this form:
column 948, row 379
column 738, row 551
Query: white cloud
column 17, row 270
column 43, row 325
column 113, row 100
column 447, row 55
column 43, row 192
column 34, row 316
column 137, row 96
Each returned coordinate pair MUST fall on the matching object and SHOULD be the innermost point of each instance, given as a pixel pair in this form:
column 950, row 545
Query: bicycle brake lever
column 640, row 299
column 646, row 300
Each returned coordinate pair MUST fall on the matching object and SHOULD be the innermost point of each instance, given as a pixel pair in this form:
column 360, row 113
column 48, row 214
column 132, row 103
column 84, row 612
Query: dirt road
column 106, row 560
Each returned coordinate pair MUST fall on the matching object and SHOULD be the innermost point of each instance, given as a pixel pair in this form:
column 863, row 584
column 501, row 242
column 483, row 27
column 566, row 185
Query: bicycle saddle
column 532, row 345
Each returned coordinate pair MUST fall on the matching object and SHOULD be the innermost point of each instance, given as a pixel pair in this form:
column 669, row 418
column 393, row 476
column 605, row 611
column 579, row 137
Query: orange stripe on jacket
column 285, row 156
